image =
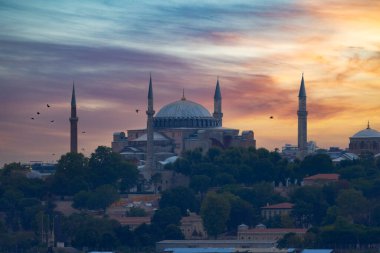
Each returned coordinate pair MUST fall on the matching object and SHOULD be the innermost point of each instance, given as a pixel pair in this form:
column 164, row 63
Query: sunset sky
column 259, row 50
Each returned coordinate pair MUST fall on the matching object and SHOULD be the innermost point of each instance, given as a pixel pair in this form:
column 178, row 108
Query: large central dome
column 184, row 113
column 367, row 133
column 183, row 109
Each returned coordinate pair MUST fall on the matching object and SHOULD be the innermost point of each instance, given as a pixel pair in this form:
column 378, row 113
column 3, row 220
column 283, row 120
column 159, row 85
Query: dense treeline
column 227, row 188
column 344, row 214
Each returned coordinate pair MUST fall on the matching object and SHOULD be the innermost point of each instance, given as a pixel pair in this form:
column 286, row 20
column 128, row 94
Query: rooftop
column 285, row 205
column 331, row 176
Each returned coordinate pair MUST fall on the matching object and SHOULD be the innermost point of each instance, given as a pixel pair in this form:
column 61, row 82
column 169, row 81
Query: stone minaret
column 218, row 104
column 149, row 165
column 302, row 121
column 73, row 124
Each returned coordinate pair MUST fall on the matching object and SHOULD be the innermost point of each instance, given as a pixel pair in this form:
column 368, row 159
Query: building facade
column 281, row 209
column 302, row 121
column 177, row 127
column 365, row 141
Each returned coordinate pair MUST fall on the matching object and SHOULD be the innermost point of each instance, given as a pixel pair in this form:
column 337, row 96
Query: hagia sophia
column 177, row 127
column 185, row 125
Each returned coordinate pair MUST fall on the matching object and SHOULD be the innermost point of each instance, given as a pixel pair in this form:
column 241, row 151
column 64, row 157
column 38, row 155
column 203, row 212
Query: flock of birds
column 38, row 113
column 51, row 121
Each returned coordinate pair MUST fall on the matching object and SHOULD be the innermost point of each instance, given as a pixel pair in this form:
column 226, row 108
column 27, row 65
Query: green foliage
column 86, row 231
column 166, row 216
column 173, row 232
column 241, row 212
column 353, row 206
column 200, row 183
column 314, row 164
column 101, row 198
column 215, row 212
column 136, row 212
column 181, row 197
column 310, row 206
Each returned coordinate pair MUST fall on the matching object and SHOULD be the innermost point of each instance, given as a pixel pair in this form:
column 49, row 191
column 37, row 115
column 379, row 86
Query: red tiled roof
column 323, row 177
column 285, row 205
column 132, row 220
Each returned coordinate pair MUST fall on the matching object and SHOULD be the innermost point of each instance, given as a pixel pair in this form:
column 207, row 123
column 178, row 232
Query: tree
column 166, row 216
column 181, row 197
column 215, row 212
column 353, row 205
column 200, row 183
column 108, row 167
column 314, row 164
column 173, row 232
column 136, row 212
column 310, row 206
column 71, row 175
column 241, row 212
column 101, row 198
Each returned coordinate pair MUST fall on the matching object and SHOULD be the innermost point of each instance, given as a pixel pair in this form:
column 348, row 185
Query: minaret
column 73, row 124
column 218, row 104
column 302, row 121
column 149, row 165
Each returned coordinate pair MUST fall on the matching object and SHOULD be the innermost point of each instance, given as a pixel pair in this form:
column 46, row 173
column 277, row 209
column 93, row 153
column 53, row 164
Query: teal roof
column 367, row 133
column 183, row 109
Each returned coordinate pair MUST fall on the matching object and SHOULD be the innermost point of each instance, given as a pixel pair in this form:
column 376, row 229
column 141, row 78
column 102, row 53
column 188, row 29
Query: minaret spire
column 302, row 121
column 73, row 124
column 218, row 115
column 149, row 164
column 368, row 125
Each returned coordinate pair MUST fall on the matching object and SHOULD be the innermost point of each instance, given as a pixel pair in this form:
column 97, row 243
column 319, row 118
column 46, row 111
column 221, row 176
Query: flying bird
column 83, row 132
column 47, row 105
column 271, row 117
column 38, row 113
column 137, row 110
column 32, row 118
column 51, row 121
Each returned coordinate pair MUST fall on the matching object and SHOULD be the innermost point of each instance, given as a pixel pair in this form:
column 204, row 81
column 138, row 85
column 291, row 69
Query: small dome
column 183, row 109
column 367, row 133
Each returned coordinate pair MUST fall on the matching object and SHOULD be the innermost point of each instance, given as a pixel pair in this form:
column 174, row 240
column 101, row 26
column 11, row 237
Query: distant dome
column 184, row 113
column 367, row 133
column 183, row 109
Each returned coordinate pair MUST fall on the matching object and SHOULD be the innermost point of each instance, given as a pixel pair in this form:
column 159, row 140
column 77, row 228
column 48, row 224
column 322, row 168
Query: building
column 192, row 227
column 268, row 235
column 364, row 141
column 303, row 148
column 73, row 124
column 291, row 151
column 321, row 179
column 177, row 127
column 281, row 209
column 164, row 246
column 302, row 121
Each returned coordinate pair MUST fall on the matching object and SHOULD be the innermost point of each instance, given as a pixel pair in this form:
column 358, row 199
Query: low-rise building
column 281, row 209
column 263, row 234
column 192, row 227
column 321, row 179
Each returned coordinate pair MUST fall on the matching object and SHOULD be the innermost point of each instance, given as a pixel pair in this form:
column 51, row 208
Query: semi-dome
column 184, row 113
column 367, row 133
column 183, row 109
